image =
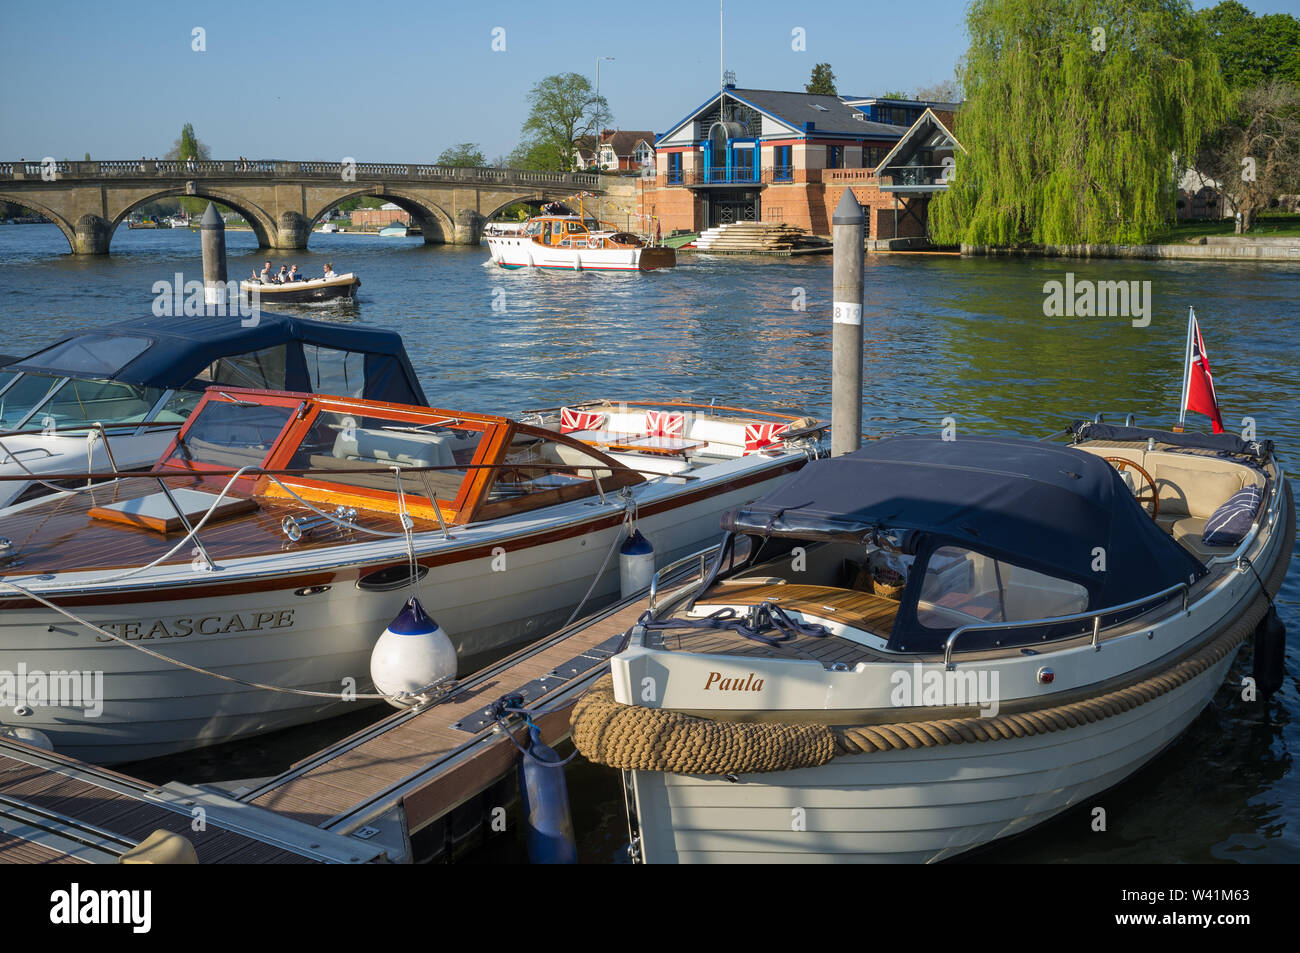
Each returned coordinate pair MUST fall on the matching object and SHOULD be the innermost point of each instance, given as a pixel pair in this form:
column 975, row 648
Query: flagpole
column 1187, row 369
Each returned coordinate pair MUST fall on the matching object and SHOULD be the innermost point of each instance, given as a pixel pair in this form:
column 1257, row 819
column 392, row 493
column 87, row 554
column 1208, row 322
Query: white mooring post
column 212, row 229
column 846, row 339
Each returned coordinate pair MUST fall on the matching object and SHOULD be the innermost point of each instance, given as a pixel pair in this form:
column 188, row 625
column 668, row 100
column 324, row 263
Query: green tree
column 945, row 92
column 1251, row 49
column 188, row 146
column 1255, row 155
column 895, row 94
column 534, row 155
column 467, row 155
column 822, row 81
column 1074, row 110
column 561, row 108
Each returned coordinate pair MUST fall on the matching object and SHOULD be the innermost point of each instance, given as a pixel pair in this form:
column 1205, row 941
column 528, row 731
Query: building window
column 783, row 170
column 675, row 168
column 742, row 165
column 834, row 157
column 871, row 155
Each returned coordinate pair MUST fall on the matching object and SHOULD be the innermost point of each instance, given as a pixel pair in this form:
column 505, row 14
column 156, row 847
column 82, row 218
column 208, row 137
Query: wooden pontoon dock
column 357, row 801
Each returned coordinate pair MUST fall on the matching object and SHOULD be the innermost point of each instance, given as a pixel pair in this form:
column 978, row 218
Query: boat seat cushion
column 1195, row 490
column 1232, row 521
column 1187, row 531
column 386, row 446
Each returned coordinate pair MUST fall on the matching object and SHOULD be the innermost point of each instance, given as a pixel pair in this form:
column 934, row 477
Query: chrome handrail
column 703, row 556
column 1094, row 614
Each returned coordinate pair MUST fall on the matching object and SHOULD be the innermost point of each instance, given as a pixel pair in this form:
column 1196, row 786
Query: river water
column 944, row 337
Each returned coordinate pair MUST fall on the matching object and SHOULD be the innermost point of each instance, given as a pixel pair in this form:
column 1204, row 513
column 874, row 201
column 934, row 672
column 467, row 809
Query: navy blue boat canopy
column 1044, row 507
column 280, row 352
column 1229, row 443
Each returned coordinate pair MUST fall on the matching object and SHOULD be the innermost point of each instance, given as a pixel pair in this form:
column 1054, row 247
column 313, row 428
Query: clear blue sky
column 399, row 81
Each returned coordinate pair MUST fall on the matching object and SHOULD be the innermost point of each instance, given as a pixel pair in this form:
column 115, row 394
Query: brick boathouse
column 774, row 156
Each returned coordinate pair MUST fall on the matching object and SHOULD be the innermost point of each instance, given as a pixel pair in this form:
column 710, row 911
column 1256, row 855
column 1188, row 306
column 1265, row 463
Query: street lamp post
column 599, row 120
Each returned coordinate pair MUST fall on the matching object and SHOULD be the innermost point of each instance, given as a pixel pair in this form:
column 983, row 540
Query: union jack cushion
column 758, row 436
column 665, row 423
column 572, row 421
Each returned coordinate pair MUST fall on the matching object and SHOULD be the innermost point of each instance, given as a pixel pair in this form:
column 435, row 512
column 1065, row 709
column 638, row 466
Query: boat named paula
column 932, row 645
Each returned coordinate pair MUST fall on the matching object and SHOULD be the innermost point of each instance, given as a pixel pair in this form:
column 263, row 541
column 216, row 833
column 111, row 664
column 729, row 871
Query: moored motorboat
column 113, row 398
column 936, row 644
column 294, row 292
column 289, row 580
column 559, row 240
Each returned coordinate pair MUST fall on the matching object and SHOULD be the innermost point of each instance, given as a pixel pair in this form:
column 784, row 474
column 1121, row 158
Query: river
column 945, row 336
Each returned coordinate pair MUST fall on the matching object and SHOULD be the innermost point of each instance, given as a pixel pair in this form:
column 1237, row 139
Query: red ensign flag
column 1200, row 384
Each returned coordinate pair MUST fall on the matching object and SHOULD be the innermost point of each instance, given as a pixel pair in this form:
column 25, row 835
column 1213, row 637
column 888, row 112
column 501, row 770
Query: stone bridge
column 280, row 200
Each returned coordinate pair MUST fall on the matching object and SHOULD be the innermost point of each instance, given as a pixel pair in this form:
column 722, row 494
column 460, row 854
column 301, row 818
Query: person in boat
column 282, row 275
column 264, row 275
column 294, row 274
column 329, row 270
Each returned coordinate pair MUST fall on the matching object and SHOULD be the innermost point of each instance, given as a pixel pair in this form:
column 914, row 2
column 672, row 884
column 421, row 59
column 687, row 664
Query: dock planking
column 58, row 810
column 434, row 758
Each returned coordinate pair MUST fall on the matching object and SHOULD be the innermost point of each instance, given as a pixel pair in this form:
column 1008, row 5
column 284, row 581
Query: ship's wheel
column 1140, row 493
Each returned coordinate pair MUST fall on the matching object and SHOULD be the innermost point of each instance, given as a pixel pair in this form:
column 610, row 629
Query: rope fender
column 653, row 739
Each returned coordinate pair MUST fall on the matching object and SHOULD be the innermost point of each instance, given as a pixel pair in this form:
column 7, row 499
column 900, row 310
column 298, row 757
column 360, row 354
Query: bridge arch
column 69, row 229
column 438, row 226
column 537, row 200
column 263, row 224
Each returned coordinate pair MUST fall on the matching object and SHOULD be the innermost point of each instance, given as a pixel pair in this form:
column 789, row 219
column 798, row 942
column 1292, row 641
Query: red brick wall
column 807, row 205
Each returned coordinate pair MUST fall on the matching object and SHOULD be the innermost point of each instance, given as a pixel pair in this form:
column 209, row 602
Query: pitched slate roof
column 799, row 108
column 624, row 141
column 834, row 117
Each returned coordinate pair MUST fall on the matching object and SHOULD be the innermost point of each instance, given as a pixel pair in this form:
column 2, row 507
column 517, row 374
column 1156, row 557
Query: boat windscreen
column 337, row 443
column 230, row 435
column 257, row 370
column 23, row 397
column 108, row 402
column 90, row 355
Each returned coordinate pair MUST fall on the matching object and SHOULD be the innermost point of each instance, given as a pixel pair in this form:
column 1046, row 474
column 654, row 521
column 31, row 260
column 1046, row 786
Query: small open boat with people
column 558, row 238
column 114, row 397
column 331, row 288
column 242, row 584
column 932, row 645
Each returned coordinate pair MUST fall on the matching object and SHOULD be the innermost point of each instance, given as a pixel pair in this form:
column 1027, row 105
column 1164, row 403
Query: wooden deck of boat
column 862, row 610
column 433, row 759
column 61, row 535
column 55, row 810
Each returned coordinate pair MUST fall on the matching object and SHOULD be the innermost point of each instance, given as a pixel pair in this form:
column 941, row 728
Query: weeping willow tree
column 1077, row 112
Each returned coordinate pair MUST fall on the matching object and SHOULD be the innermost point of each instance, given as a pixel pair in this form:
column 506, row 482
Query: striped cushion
column 574, row 420
column 665, row 423
column 758, row 436
column 1231, row 521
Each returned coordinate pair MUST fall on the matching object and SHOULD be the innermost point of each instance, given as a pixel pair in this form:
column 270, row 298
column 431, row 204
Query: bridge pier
column 291, row 232
column 469, row 227
column 91, row 235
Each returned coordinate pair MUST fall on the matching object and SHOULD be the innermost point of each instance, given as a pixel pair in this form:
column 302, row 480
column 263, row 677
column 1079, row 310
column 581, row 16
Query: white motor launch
column 412, row 656
column 636, row 564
